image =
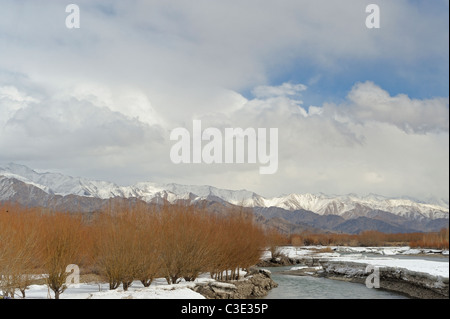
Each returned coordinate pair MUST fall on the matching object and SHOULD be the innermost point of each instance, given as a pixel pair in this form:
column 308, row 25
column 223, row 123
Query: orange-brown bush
column 174, row 241
column 193, row 240
column 373, row 238
column 18, row 248
column 126, row 244
column 187, row 238
column 61, row 243
column 238, row 244
column 274, row 239
column 438, row 240
column 31, row 241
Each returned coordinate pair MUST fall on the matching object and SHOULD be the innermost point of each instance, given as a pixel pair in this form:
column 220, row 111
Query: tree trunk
column 113, row 285
column 146, row 282
column 126, row 285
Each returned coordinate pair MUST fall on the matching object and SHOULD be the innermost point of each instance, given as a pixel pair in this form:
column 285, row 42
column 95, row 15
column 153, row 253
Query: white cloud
column 220, row 43
column 330, row 148
column 12, row 93
column 100, row 101
column 342, row 149
column 369, row 102
column 285, row 89
column 130, row 102
column 12, row 100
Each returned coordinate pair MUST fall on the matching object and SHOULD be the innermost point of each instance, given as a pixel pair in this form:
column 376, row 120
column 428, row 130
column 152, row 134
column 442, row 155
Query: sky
column 358, row 110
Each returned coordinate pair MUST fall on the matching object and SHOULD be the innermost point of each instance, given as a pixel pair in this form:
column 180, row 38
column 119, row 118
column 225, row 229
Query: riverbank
column 401, row 270
column 403, row 281
column 255, row 284
column 412, row 283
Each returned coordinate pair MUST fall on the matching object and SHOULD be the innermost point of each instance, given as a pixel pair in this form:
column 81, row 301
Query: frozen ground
column 159, row 289
column 434, row 268
column 294, row 252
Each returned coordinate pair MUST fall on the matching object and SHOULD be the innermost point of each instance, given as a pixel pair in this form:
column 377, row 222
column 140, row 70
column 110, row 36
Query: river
column 307, row 287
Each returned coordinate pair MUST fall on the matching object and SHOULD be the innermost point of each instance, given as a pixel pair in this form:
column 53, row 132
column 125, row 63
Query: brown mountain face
column 377, row 220
column 25, row 194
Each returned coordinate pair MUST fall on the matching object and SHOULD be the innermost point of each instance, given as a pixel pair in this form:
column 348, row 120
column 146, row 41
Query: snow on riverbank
column 434, row 268
column 335, row 251
column 390, row 251
column 302, row 251
column 377, row 256
column 158, row 290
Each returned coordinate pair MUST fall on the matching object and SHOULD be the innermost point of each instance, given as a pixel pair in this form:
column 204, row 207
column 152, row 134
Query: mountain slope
column 325, row 208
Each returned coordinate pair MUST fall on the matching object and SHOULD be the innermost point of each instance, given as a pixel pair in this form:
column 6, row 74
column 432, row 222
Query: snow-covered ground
column 298, row 252
column 336, row 251
column 159, row 289
column 434, row 268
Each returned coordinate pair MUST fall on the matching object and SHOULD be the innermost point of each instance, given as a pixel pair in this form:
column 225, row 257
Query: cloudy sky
column 358, row 110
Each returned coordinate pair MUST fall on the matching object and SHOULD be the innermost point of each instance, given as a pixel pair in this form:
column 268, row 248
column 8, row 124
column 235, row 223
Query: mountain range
column 317, row 212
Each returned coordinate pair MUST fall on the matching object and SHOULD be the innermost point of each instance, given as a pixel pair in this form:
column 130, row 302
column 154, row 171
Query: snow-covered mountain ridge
column 348, row 206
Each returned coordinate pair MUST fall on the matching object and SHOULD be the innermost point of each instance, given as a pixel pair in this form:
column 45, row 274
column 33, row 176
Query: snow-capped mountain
column 353, row 206
column 348, row 206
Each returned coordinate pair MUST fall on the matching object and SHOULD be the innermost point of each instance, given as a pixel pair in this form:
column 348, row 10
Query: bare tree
column 61, row 245
column 18, row 248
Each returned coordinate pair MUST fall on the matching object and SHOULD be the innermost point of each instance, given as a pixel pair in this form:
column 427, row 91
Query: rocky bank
column 256, row 284
column 411, row 283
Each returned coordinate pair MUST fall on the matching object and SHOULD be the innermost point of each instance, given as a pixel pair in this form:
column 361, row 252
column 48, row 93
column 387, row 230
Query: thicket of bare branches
column 274, row 241
column 437, row 240
column 125, row 242
column 135, row 242
column 61, row 243
column 18, row 248
column 238, row 243
column 126, row 245
column 185, row 247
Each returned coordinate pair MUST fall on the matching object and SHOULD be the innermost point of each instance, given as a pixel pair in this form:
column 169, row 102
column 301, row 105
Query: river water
column 307, row 287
